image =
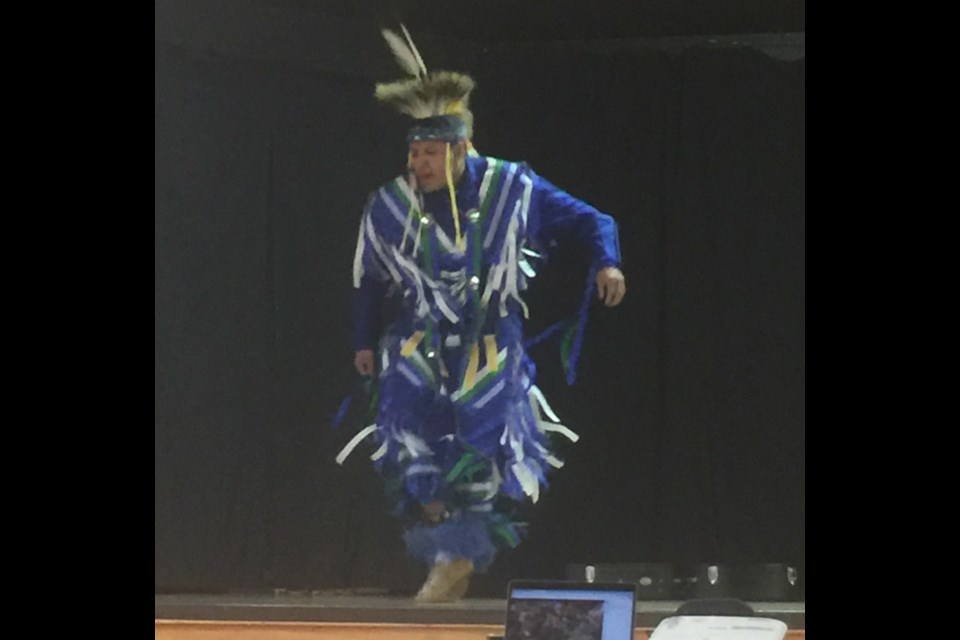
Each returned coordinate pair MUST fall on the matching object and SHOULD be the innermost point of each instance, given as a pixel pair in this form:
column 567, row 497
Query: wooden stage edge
column 246, row 629
column 288, row 616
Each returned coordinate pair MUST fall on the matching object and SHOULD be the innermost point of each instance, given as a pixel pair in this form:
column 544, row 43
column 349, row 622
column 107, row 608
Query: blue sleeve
column 558, row 216
column 370, row 284
column 367, row 300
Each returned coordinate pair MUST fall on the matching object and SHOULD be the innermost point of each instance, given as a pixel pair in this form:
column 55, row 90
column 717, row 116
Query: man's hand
column 435, row 512
column 611, row 286
column 363, row 362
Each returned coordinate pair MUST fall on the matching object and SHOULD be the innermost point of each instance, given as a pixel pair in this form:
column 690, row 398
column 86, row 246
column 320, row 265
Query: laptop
column 563, row 610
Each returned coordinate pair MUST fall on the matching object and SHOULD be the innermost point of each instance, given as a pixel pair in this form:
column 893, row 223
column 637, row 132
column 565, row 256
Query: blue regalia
column 458, row 415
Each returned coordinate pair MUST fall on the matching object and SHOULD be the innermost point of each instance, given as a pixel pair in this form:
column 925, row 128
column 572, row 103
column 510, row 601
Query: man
column 459, row 435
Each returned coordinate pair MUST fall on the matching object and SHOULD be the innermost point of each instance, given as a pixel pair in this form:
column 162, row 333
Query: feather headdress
column 439, row 104
column 424, row 96
column 405, row 52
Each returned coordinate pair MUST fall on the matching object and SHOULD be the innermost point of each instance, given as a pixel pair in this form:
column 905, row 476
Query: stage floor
column 282, row 606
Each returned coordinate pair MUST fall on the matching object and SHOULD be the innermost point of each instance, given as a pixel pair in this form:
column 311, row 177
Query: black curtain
column 690, row 395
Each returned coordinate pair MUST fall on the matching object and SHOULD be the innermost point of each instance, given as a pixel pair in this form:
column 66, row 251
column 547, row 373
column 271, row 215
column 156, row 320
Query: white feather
column 407, row 59
column 413, row 48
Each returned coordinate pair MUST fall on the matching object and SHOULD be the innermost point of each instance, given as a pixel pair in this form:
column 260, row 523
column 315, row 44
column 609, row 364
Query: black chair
column 715, row 607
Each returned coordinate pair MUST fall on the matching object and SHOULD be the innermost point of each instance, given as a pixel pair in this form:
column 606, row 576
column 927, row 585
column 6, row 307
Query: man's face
column 427, row 159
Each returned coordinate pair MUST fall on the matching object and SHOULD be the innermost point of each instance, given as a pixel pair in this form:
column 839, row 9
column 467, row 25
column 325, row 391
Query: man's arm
column 367, row 300
column 566, row 218
column 370, row 283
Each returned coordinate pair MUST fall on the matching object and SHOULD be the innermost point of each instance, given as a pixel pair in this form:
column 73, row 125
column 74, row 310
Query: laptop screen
column 570, row 611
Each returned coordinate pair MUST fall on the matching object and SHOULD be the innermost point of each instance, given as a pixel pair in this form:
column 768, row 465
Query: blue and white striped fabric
column 459, row 414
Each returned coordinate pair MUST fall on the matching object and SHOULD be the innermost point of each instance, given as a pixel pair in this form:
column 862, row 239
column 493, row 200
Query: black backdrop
column 690, row 399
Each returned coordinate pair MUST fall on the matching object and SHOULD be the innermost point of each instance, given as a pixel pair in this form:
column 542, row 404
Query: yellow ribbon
column 470, row 377
column 410, row 344
column 448, row 165
column 491, row 344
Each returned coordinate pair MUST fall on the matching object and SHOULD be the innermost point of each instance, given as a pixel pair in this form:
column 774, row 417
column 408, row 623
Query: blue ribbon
column 362, row 388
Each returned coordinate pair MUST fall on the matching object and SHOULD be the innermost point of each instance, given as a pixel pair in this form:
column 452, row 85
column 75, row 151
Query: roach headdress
column 438, row 102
